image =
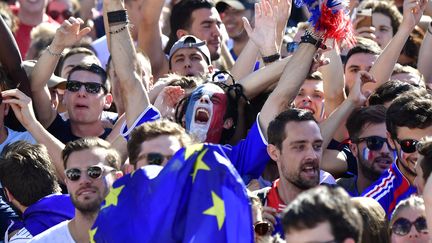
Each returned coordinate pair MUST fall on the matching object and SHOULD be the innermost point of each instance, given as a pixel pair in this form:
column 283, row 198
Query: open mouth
column 202, row 116
column 307, row 108
column 310, row 170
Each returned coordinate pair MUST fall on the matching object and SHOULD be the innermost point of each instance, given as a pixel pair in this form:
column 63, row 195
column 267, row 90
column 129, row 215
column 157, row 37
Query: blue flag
column 197, row 197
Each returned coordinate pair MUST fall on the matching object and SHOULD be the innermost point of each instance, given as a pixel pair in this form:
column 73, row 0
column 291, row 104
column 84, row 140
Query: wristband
column 308, row 37
column 117, row 16
column 119, row 30
column 272, row 58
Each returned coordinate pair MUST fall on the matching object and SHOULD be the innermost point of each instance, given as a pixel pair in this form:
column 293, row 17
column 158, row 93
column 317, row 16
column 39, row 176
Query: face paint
column 367, row 155
column 205, row 112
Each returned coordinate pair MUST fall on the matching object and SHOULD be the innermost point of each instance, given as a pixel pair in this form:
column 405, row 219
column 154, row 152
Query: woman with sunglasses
column 408, row 222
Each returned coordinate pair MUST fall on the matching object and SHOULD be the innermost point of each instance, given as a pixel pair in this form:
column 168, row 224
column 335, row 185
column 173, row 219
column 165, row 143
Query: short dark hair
column 112, row 157
column 363, row 45
column 425, row 148
column 389, row 91
column 412, row 110
column 364, row 115
column 317, row 75
column 150, row 130
column 27, row 172
column 93, row 68
column 71, row 52
column 324, row 204
column 181, row 17
column 276, row 129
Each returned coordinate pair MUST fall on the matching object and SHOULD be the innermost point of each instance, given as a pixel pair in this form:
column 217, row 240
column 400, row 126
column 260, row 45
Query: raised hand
column 365, row 31
column 282, row 16
column 264, row 32
column 167, row 100
column 412, row 12
column 22, row 106
column 69, row 33
column 357, row 95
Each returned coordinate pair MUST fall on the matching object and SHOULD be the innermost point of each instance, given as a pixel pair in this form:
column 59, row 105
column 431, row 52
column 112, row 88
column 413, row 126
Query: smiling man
column 408, row 120
column 311, row 96
column 91, row 169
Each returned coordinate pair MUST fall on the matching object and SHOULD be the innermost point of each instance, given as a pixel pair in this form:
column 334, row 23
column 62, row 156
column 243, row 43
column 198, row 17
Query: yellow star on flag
column 199, row 165
column 192, row 149
column 217, row 210
column 112, row 197
column 92, row 233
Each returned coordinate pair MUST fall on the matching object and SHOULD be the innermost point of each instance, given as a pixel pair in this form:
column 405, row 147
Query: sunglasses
column 402, row 226
column 373, row 142
column 56, row 14
column 90, row 87
column 94, row 172
column 155, row 158
column 263, row 228
column 408, row 145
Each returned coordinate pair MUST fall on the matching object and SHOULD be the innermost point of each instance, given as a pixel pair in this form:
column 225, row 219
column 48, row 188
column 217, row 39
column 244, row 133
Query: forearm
column 53, row 145
column 333, row 80
column 383, row 66
column 45, row 66
column 258, row 81
column 245, row 62
column 425, row 56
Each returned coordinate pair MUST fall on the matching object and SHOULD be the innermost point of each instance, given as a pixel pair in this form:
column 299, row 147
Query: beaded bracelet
column 53, row 53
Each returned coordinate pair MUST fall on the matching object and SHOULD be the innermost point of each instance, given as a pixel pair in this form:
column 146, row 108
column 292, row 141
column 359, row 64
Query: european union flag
column 197, row 197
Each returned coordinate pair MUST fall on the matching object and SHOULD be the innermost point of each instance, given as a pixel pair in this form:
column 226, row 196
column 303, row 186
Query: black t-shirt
column 62, row 130
column 351, row 160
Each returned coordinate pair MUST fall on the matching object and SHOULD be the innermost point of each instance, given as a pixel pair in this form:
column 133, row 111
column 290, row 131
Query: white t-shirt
column 58, row 233
column 14, row 136
column 22, row 236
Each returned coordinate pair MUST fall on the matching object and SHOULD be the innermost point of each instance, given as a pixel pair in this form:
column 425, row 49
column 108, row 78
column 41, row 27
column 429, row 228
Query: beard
column 368, row 171
column 303, row 182
column 89, row 206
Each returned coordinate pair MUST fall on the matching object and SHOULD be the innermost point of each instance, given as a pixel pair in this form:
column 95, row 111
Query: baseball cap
column 53, row 82
column 190, row 41
column 236, row 4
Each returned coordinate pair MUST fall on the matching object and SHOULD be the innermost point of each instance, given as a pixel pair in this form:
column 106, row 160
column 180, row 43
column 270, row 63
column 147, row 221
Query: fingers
column 269, row 215
column 247, row 26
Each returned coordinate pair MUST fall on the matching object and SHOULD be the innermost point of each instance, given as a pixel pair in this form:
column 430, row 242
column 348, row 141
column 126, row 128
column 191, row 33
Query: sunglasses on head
column 90, row 87
column 94, row 172
column 402, row 226
column 372, row 142
column 408, row 145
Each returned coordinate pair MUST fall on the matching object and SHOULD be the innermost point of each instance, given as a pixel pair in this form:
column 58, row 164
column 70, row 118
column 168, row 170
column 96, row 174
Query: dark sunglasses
column 90, row 87
column 402, row 226
column 157, row 158
column 292, row 46
column 94, row 172
column 263, row 228
column 373, row 142
column 55, row 14
column 408, row 145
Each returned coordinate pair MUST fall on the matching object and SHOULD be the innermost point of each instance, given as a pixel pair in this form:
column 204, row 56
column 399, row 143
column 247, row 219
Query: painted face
column 357, row 62
column 164, row 145
column 205, row 113
column 322, row 232
column 311, row 97
column 88, row 193
column 189, row 62
column 407, row 161
column 373, row 162
column 384, row 30
column 82, row 106
column 206, row 24
column 298, row 161
column 413, row 236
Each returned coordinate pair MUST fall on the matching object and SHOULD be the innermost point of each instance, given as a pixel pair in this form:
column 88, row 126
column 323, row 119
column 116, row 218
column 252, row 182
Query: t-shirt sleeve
column 151, row 113
column 249, row 156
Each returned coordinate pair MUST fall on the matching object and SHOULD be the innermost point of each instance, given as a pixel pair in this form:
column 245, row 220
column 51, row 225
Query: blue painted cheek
column 189, row 114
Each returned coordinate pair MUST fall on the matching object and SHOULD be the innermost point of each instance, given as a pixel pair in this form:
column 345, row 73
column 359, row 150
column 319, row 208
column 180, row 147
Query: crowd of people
column 231, row 120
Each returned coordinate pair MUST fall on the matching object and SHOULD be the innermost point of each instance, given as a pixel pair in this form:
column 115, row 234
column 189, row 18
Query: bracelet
column 119, row 30
column 272, row 58
column 308, row 37
column 53, row 53
column 117, row 16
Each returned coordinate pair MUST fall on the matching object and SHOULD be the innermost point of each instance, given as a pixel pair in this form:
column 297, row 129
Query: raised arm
column 383, row 67
column 425, row 56
column 23, row 109
column 149, row 36
column 126, row 65
column 66, row 35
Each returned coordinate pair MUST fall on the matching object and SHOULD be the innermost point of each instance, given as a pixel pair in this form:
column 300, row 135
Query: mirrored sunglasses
column 408, row 145
column 94, row 172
